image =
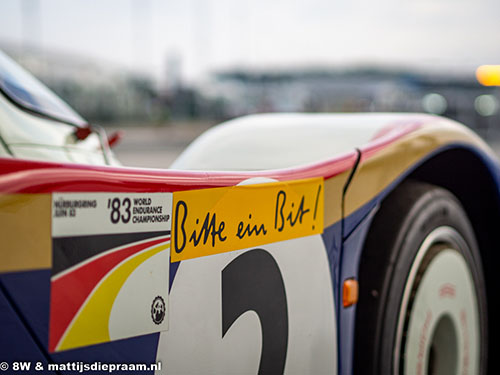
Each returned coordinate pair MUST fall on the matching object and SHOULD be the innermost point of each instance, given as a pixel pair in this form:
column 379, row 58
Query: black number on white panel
column 253, row 281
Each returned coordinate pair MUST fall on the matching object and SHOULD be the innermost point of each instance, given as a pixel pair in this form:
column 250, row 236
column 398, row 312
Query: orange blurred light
column 488, row 75
column 350, row 292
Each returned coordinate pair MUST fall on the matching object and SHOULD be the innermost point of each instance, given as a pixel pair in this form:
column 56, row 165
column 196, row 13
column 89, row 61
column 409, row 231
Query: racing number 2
column 253, row 281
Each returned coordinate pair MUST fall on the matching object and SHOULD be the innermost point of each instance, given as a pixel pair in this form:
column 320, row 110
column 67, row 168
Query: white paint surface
column 131, row 311
column 194, row 343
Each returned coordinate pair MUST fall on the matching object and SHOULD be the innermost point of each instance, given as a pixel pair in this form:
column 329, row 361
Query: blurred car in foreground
column 286, row 243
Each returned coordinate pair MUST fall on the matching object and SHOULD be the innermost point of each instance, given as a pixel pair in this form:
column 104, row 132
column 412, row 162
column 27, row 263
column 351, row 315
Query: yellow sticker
column 213, row 221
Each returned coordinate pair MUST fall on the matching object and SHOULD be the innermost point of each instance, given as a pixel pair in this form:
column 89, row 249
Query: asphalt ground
column 158, row 147
column 155, row 147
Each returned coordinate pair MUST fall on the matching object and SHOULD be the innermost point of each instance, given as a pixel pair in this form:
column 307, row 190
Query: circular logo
column 158, row 310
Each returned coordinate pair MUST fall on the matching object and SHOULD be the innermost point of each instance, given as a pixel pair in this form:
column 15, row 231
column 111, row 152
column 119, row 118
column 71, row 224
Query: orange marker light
column 350, row 292
column 488, row 75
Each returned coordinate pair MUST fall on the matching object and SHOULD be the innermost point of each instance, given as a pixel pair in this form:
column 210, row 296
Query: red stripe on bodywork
column 69, row 291
column 397, row 129
column 21, row 176
column 389, row 134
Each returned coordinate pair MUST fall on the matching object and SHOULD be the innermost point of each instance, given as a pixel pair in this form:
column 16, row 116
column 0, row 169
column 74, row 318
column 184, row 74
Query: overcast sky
column 207, row 35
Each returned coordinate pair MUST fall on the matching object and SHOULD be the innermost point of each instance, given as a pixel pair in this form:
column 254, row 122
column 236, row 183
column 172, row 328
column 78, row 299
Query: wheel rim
column 438, row 325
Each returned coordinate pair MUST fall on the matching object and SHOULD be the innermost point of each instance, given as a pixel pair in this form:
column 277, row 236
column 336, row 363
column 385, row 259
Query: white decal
column 107, row 213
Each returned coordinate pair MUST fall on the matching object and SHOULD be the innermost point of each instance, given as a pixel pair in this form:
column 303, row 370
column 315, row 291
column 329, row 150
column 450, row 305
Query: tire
column 422, row 302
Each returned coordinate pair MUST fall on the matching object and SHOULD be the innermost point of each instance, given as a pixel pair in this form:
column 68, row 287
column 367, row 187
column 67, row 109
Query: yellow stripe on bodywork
column 334, row 188
column 25, row 232
column 377, row 172
column 91, row 325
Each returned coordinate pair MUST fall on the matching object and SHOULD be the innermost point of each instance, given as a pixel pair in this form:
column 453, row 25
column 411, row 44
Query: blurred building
column 105, row 93
column 101, row 92
column 355, row 90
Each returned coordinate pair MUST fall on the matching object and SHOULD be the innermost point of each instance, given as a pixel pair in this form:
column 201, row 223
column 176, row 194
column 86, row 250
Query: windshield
column 29, row 93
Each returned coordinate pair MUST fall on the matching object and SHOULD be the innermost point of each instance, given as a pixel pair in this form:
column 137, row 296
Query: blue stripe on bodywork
column 29, row 294
column 136, row 350
column 332, row 240
column 349, row 263
column 16, row 341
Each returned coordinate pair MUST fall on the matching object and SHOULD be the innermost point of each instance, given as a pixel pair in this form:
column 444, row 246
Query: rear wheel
column 422, row 305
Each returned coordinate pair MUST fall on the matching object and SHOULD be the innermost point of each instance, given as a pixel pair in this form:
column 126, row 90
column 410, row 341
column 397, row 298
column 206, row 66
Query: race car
column 275, row 244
